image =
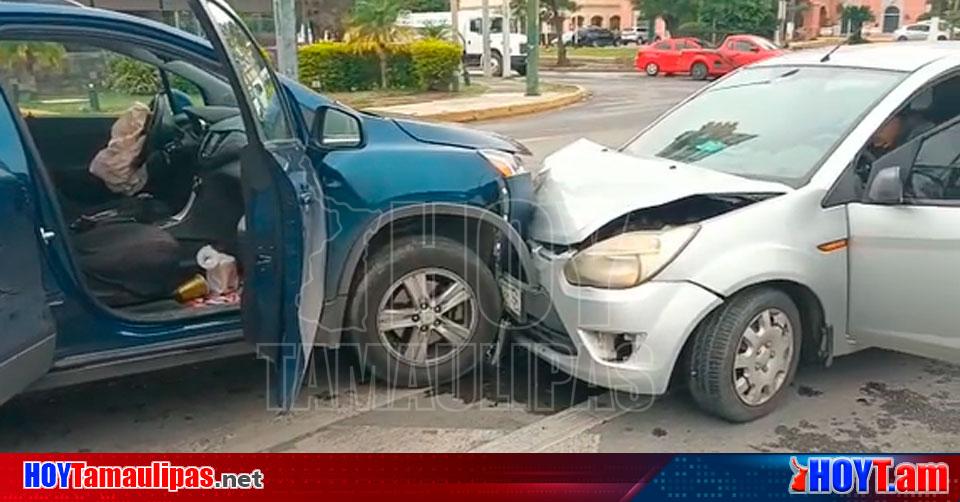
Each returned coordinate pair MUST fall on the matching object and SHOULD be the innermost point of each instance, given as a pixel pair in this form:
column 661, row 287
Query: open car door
column 28, row 341
column 283, row 247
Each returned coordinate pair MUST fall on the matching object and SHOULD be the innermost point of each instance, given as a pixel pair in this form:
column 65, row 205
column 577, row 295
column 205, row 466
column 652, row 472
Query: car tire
column 405, row 258
column 941, row 38
column 725, row 366
column 497, row 62
column 521, row 70
column 901, row 38
column 699, row 71
column 651, row 69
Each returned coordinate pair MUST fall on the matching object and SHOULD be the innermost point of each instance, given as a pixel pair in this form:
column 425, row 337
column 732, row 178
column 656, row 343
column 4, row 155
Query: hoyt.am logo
column 868, row 475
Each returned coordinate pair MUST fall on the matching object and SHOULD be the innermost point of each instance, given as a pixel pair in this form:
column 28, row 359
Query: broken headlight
column 629, row 259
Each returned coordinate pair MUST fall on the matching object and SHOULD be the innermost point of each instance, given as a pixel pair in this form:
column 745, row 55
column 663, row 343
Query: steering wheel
column 156, row 133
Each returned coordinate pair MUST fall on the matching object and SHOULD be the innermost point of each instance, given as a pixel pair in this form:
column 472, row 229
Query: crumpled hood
column 585, row 185
column 454, row 135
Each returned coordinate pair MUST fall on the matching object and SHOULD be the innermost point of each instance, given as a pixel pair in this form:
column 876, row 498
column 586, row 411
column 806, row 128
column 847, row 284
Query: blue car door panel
column 284, row 237
column 28, row 337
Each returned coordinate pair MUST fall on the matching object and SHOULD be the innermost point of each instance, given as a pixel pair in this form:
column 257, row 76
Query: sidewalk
column 505, row 98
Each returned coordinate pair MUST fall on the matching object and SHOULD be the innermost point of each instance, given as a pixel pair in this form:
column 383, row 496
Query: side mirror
column 754, row 49
column 886, row 187
column 336, row 129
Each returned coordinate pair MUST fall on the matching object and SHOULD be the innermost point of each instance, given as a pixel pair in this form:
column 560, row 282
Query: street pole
column 780, row 35
column 285, row 19
column 455, row 34
column 485, row 33
column 533, row 47
column 507, row 71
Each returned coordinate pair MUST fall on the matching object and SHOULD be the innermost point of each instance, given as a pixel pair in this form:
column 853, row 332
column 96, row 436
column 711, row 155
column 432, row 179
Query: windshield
column 254, row 74
column 768, row 123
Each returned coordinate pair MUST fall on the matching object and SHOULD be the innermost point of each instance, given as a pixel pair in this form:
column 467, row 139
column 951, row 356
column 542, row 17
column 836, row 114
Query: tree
column 373, row 26
column 437, row 31
column 739, row 16
column 553, row 12
column 856, row 16
column 24, row 60
column 326, row 15
column 673, row 12
column 428, row 5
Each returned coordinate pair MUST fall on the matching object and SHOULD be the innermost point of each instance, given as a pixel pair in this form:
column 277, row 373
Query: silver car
column 921, row 31
column 806, row 206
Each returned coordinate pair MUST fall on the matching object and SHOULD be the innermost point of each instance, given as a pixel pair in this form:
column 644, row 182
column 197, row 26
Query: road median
column 491, row 105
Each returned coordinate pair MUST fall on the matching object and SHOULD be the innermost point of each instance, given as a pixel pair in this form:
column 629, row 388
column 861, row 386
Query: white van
column 471, row 34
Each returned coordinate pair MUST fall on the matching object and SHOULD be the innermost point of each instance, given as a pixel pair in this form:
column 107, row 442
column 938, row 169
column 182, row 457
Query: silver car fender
column 772, row 241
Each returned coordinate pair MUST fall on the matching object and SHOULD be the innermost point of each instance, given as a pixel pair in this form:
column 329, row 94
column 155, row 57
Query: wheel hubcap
column 763, row 358
column 651, row 68
column 427, row 316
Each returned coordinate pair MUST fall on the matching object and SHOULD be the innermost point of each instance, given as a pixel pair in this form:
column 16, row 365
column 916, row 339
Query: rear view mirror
column 886, row 187
column 335, row 128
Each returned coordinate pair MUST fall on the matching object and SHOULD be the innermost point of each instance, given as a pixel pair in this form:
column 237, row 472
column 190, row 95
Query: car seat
column 127, row 262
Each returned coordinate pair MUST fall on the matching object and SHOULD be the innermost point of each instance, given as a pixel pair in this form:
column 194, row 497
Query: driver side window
column 936, row 171
column 934, row 174
column 73, row 80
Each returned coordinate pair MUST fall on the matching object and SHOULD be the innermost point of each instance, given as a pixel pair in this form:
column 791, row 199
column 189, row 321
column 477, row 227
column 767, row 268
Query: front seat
column 127, row 263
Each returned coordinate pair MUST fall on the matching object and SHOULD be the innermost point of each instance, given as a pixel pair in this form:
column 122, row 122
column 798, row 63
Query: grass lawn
column 392, row 97
column 627, row 51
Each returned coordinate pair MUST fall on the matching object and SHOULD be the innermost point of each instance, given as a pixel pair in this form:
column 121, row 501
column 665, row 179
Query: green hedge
column 337, row 67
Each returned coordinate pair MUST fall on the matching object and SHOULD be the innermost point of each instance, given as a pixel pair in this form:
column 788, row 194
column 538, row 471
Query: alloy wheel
column 427, row 316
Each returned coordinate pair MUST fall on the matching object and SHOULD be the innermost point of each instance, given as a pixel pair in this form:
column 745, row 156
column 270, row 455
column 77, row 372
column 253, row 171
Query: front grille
column 557, row 341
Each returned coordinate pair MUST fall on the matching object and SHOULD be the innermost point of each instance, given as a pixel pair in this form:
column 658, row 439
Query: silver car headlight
column 507, row 164
column 629, row 259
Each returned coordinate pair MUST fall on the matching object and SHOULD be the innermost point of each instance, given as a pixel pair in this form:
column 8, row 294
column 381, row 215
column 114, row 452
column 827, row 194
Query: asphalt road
column 620, row 105
column 869, row 401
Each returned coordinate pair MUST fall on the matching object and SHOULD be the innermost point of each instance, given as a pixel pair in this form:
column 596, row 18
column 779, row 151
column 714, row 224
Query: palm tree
column 436, row 31
column 23, row 60
column 373, row 26
column 856, row 16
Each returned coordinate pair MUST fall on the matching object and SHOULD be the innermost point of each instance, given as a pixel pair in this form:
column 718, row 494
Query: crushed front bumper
column 626, row 340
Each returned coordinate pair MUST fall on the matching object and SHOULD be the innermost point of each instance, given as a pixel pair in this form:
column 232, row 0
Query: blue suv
column 347, row 227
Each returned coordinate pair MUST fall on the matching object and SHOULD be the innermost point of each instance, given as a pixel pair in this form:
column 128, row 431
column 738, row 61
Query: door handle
column 47, row 235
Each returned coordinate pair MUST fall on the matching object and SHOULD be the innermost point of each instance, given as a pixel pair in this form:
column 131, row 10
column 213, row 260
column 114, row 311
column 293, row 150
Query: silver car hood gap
column 585, row 188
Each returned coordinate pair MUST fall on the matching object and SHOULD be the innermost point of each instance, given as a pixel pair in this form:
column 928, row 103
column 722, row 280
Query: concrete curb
column 497, row 112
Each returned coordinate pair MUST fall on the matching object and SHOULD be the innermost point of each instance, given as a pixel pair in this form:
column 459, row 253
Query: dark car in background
column 594, row 36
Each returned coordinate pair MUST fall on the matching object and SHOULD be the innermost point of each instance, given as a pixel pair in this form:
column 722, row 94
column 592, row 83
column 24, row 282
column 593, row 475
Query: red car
column 699, row 59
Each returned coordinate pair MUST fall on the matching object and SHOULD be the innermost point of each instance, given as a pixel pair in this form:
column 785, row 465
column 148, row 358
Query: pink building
column 823, row 17
column 613, row 14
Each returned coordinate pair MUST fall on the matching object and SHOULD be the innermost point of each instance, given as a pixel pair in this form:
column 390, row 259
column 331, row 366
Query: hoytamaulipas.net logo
column 868, row 475
column 159, row 475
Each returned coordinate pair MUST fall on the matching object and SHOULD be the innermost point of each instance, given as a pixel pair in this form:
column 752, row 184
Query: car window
column 729, row 127
column 936, row 170
column 743, row 46
column 765, row 44
column 254, row 74
column 686, row 45
column 59, row 79
column 663, row 46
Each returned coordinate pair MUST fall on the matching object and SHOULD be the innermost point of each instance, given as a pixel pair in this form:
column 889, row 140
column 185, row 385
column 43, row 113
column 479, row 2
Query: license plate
column 512, row 297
